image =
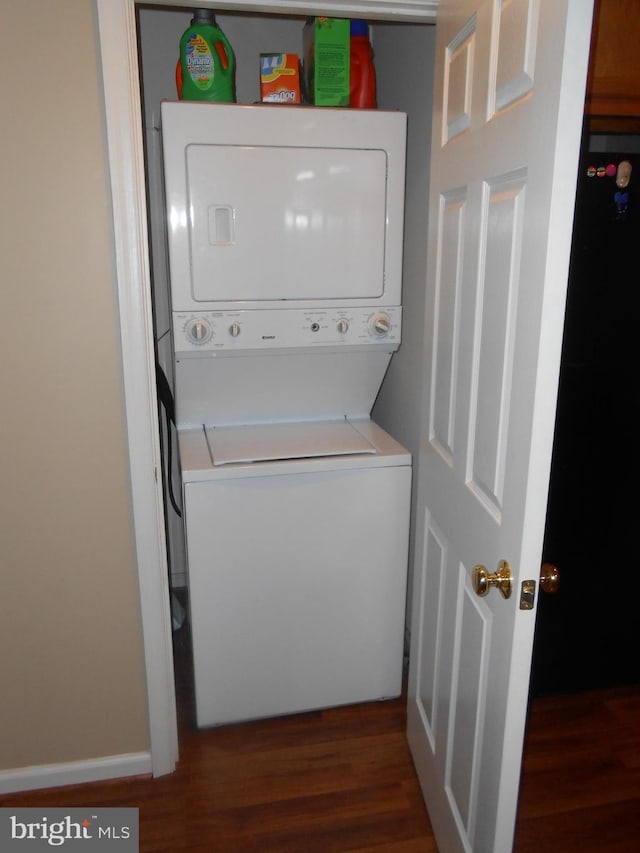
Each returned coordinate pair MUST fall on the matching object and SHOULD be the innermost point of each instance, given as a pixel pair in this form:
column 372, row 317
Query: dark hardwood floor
column 580, row 787
column 342, row 780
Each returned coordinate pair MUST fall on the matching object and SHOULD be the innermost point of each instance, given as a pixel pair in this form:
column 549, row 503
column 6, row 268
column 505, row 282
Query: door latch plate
column 527, row 595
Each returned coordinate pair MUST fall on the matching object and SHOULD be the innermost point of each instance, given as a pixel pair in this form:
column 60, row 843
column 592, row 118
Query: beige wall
column 71, row 667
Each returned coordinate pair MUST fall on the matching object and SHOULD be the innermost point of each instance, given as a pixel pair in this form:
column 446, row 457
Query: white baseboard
column 74, row 772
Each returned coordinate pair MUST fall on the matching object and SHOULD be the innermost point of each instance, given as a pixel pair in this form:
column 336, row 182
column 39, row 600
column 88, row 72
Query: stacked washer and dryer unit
column 285, row 253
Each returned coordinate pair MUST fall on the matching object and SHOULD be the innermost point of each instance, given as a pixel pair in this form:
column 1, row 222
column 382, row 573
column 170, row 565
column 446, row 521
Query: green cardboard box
column 325, row 43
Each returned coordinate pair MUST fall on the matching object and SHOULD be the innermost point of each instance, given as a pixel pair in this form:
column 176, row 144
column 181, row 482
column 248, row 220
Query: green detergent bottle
column 207, row 62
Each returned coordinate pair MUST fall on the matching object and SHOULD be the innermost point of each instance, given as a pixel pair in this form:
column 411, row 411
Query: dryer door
column 271, row 223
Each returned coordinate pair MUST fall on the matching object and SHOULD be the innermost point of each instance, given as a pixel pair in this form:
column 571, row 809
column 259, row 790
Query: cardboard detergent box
column 280, row 78
column 325, row 43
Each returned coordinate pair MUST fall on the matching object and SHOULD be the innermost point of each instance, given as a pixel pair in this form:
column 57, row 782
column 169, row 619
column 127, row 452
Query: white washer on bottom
column 297, row 566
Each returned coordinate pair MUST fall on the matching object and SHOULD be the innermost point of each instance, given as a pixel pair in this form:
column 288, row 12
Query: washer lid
column 271, row 442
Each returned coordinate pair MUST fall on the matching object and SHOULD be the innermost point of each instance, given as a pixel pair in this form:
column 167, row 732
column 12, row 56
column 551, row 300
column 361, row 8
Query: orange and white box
column 280, row 78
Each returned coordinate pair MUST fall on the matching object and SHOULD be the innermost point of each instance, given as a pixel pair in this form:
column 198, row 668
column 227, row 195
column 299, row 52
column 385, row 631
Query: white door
column 510, row 79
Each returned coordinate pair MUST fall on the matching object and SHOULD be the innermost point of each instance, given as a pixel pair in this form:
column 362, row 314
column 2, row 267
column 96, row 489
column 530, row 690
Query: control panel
column 286, row 328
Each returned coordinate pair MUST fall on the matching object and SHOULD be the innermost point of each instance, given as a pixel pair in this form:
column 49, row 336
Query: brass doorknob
column 549, row 577
column 484, row 580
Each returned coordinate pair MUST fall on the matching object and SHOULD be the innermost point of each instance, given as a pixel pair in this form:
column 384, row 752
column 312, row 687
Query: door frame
column 118, row 54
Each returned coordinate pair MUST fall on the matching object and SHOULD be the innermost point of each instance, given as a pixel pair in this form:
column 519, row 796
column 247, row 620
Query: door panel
column 504, row 157
column 513, row 45
column 447, row 333
column 491, row 367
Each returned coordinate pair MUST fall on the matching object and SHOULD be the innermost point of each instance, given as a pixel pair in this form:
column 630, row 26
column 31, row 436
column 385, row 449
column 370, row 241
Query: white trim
column 123, row 111
column 394, row 10
column 75, row 772
column 118, row 47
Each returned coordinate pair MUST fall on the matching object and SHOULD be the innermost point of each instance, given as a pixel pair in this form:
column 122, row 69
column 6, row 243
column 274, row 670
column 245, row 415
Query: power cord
column 166, row 399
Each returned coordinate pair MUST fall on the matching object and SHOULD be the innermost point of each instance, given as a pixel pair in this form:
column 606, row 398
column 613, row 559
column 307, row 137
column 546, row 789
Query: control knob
column 234, row 330
column 343, row 326
column 379, row 325
column 198, row 331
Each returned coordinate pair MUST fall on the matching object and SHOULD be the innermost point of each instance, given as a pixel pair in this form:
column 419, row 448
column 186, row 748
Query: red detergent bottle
column 362, row 85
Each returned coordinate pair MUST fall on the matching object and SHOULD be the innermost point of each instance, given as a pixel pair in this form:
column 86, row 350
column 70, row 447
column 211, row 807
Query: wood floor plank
column 580, row 790
column 342, row 781
column 611, row 828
